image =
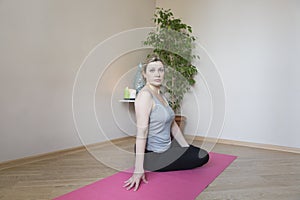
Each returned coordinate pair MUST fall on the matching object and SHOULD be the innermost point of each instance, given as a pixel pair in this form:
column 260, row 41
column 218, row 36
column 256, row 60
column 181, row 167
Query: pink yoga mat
column 187, row 184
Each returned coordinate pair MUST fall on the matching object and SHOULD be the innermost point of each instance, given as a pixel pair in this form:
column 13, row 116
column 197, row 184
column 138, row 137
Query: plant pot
column 180, row 120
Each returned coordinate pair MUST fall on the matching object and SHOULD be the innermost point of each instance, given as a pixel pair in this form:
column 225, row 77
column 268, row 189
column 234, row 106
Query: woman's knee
column 204, row 156
column 201, row 154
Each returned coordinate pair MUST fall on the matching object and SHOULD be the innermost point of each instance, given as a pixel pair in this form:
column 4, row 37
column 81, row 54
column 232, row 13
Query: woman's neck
column 155, row 89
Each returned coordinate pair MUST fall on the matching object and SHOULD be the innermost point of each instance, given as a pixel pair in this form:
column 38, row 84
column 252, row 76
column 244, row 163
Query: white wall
column 256, row 47
column 42, row 46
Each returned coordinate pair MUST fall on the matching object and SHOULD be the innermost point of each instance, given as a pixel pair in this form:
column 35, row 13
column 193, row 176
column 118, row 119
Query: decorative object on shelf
column 126, row 93
column 139, row 81
column 132, row 94
column 129, row 94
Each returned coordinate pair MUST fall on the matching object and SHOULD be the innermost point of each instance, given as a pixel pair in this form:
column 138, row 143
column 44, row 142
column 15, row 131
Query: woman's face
column 154, row 73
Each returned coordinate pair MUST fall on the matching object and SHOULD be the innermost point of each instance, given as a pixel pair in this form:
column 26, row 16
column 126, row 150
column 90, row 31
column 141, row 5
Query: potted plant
column 173, row 42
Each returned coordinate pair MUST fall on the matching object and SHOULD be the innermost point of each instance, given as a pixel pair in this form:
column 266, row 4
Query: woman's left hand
column 135, row 180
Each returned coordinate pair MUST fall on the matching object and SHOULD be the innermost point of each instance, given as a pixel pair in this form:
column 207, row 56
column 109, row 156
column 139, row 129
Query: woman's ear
column 144, row 75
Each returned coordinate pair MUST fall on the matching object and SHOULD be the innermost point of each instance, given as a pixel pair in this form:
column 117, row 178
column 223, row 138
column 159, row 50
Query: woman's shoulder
column 144, row 99
column 144, row 94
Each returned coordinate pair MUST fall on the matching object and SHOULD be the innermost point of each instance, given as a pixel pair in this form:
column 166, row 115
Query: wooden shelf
column 127, row 100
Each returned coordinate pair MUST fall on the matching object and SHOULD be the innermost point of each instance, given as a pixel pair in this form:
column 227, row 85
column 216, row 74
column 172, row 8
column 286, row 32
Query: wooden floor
column 255, row 174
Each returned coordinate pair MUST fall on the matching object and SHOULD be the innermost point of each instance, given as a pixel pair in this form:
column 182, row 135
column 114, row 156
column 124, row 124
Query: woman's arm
column 177, row 134
column 143, row 106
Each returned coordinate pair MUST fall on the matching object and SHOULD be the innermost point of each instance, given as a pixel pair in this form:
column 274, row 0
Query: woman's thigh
column 176, row 158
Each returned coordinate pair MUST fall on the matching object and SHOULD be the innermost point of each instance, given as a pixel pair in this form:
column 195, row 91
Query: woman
column 155, row 151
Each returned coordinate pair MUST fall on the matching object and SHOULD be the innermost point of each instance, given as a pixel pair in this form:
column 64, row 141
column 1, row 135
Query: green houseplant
column 173, row 42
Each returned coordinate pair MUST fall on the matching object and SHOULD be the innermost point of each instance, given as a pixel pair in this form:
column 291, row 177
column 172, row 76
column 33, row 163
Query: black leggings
column 175, row 158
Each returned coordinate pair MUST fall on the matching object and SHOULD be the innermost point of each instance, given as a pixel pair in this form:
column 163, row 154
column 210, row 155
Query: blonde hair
column 153, row 58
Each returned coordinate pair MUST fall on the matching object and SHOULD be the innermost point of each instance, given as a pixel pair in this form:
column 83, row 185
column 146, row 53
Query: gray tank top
column 160, row 121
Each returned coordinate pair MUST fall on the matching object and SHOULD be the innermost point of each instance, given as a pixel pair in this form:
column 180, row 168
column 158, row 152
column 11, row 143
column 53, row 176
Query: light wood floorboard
column 255, row 174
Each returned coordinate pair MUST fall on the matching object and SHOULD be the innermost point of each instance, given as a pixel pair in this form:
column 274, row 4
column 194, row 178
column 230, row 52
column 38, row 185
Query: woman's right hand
column 135, row 180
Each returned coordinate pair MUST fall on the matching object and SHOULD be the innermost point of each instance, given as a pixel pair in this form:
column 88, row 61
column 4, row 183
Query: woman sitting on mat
column 155, row 151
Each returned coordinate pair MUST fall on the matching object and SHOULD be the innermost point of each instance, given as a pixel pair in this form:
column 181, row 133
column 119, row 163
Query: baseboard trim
column 246, row 144
column 55, row 154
